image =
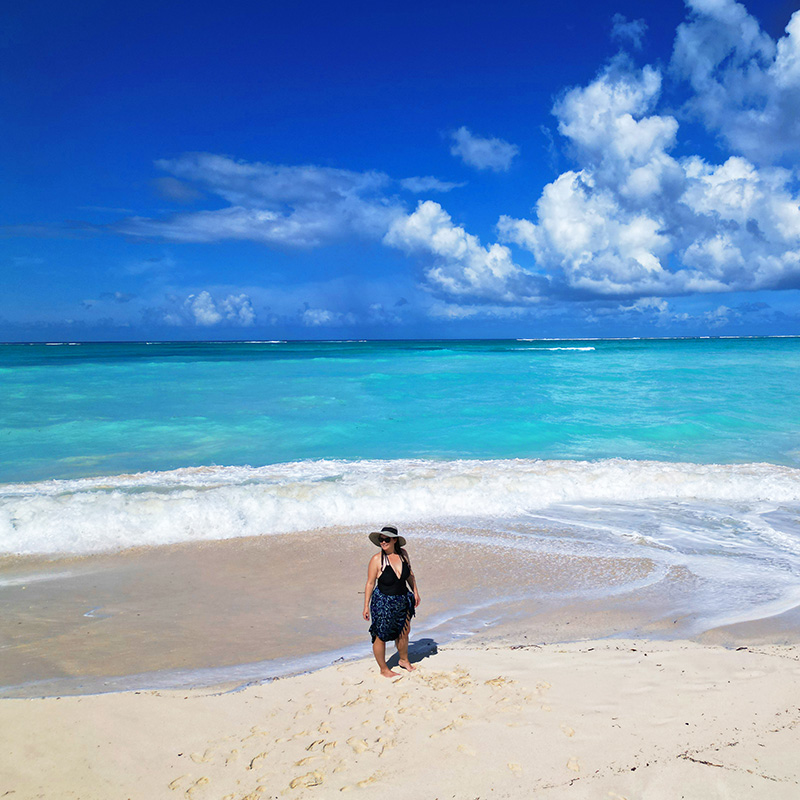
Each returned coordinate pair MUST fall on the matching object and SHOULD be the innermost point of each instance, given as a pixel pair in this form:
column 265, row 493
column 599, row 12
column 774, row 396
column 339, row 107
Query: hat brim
column 375, row 536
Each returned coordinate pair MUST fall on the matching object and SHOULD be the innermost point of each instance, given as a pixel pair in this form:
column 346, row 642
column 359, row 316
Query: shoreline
column 236, row 612
column 573, row 698
column 223, row 607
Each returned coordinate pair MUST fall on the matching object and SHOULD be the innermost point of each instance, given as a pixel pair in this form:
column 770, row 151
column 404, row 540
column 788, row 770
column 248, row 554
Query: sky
column 308, row 170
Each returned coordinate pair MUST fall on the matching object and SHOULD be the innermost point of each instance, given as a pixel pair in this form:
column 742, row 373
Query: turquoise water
column 103, row 409
column 681, row 454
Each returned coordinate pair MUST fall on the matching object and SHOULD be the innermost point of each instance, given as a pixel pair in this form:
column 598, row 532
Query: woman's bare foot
column 405, row 664
column 387, row 673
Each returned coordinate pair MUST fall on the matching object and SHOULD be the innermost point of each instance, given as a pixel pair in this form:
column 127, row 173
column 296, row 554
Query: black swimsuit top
column 388, row 582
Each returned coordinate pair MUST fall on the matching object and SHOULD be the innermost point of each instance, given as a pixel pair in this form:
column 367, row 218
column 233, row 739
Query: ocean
column 684, row 451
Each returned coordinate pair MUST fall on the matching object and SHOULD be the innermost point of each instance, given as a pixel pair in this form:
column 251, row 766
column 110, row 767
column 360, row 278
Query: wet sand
column 210, row 605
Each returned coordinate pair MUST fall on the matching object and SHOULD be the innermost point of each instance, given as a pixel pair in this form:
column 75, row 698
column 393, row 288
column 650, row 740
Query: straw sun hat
column 391, row 532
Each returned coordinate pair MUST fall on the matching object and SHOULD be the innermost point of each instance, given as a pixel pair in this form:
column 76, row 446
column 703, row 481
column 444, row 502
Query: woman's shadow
column 417, row 650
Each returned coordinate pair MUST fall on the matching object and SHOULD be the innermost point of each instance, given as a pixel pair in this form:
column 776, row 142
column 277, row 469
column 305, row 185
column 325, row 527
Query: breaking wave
column 207, row 503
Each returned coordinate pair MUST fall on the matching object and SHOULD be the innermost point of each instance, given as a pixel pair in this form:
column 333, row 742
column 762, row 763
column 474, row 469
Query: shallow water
column 105, row 409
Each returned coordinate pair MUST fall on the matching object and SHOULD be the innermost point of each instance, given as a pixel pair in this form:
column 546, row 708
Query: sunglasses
column 384, row 539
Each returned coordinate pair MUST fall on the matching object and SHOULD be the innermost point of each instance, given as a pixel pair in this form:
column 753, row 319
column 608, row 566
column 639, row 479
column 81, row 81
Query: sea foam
column 208, row 503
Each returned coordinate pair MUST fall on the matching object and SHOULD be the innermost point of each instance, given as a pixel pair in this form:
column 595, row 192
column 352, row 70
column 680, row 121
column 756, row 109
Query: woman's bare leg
column 402, row 649
column 379, row 651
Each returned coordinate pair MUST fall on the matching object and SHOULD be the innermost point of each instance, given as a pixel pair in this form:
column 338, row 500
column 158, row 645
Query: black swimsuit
column 388, row 581
column 392, row 604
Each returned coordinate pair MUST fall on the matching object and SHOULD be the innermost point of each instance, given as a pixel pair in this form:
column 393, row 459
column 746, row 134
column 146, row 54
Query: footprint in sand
column 234, row 756
column 176, row 783
column 456, row 723
column 198, row 784
column 543, row 685
column 361, row 784
column 307, row 760
column 499, row 681
column 573, row 764
column 309, row 779
column 255, row 732
column 328, row 746
column 257, row 761
column 358, row 745
column 200, row 758
column 567, row 731
column 515, row 768
column 324, row 728
column 467, row 750
column 255, row 795
column 316, row 743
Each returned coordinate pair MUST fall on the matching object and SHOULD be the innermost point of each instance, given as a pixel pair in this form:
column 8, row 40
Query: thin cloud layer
column 627, row 31
column 303, row 206
column 493, row 154
column 429, row 184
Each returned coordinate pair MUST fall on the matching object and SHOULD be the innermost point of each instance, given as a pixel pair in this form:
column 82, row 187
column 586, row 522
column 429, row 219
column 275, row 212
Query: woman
column 390, row 603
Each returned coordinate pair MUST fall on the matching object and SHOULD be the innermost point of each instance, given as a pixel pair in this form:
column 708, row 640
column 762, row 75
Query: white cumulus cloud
column 459, row 264
column 633, row 219
column 481, row 153
column 238, row 309
column 747, row 86
column 203, row 310
column 324, row 317
column 637, row 216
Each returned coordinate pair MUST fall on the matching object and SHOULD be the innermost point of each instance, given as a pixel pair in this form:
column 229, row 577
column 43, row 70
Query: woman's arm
column 412, row 580
column 372, row 576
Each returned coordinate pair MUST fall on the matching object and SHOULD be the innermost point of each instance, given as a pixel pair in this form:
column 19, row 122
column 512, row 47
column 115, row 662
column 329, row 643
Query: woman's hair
column 399, row 551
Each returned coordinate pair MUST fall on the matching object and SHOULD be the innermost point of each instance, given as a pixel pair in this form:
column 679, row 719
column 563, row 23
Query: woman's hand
column 366, row 614
column 417, row 599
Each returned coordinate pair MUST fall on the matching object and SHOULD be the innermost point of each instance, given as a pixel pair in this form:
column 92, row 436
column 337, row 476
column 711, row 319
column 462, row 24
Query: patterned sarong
column 389, row 614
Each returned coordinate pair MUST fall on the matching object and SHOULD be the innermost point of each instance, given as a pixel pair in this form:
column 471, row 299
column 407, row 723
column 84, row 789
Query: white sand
column 607, row 719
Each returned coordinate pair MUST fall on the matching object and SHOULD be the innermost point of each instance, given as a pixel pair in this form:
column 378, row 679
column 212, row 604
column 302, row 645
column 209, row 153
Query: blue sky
column 360, row 170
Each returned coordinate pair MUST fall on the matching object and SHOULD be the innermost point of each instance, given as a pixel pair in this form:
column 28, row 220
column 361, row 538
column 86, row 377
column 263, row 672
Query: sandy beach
column 518, row 282
column 538, row 702
column 595, row 719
